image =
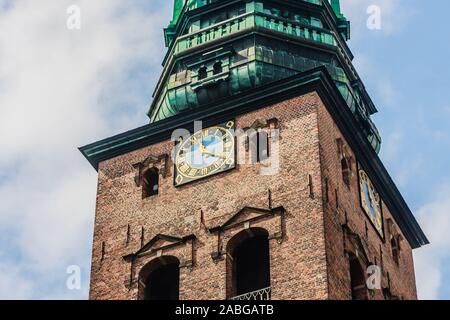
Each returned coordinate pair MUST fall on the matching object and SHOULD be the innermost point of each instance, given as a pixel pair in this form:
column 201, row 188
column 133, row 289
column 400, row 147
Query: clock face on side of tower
column 371, row 202
column 205, row 153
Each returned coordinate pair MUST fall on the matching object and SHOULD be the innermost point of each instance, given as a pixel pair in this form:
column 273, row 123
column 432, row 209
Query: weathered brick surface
column 312, row 233
column 402, row 276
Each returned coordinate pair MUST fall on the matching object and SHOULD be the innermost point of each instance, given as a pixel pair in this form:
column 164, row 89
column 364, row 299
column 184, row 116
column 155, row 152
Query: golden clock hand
column 200, row 144
column 214, row 154
column 196, row 141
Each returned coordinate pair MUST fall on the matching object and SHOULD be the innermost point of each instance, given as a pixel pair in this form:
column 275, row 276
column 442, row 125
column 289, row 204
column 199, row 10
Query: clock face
column 205, row 153
column 371, row 202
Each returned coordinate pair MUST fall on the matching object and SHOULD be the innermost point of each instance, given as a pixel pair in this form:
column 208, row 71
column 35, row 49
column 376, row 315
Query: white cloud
column 12, row 284
column 430, row 261
column 60, row 89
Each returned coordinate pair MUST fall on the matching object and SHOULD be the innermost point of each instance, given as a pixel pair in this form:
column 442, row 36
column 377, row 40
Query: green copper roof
column 336, row 5
column 179, row 5
column 177, row 10
column 218, row 49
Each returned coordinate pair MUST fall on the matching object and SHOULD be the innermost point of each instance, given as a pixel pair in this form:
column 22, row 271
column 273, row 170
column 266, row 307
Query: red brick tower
column 279, row 195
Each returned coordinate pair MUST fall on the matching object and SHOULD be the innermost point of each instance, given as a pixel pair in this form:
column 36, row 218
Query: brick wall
column 402, row 276
column 302, row 242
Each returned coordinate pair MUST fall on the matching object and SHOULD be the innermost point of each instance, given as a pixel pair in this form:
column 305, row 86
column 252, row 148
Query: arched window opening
column 202, row 73
column 358, row 280
column 217, row 69
column 160, row 280
column 151, row 183
column 248, row 266
column 395, row 249
column 346, row 171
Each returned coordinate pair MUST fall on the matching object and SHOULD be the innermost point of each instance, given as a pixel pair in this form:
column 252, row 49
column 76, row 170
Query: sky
column 61, row 89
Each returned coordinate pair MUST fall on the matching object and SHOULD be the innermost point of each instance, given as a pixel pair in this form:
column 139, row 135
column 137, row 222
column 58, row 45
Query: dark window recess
column 127, row 240
column 217, row 69
column 252, row 265
column 346, row 171
column 103, row 251
column 163, row 283
column 358, row 280
column 202, row 73
column 337, row 198
column 142, row 236
column 151, row 183
column 395, row 250
column 311, row 187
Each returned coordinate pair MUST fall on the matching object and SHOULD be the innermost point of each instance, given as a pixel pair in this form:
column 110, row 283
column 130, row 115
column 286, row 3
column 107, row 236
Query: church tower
column 258, row 175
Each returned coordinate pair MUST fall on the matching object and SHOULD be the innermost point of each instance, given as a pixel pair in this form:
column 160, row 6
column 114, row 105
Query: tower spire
column 177, row 9
column 200, row 68
column 343, row 24
column 169, row 32
column 336, row 5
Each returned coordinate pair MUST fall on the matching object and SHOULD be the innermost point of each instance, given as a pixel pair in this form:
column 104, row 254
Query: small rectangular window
column 151, row 183
column 263, row 145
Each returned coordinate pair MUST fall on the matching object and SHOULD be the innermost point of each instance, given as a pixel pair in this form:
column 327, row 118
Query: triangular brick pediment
column 159, row 242
column 248, row 214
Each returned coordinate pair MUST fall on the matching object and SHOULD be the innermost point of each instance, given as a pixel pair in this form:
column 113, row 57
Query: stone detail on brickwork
column 160, row 247
column 153, row 161
column 159, row 243
column 265, row 123
column 262, row 124
column 346, row 160
column 247, row 218
column 354, row 244
column 393, row 230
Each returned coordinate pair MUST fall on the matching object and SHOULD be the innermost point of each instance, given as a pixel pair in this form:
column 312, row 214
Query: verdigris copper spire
column 177, row 9
column 336, row 5
column 169, row 32
column 218, row 49
column 343, row 23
